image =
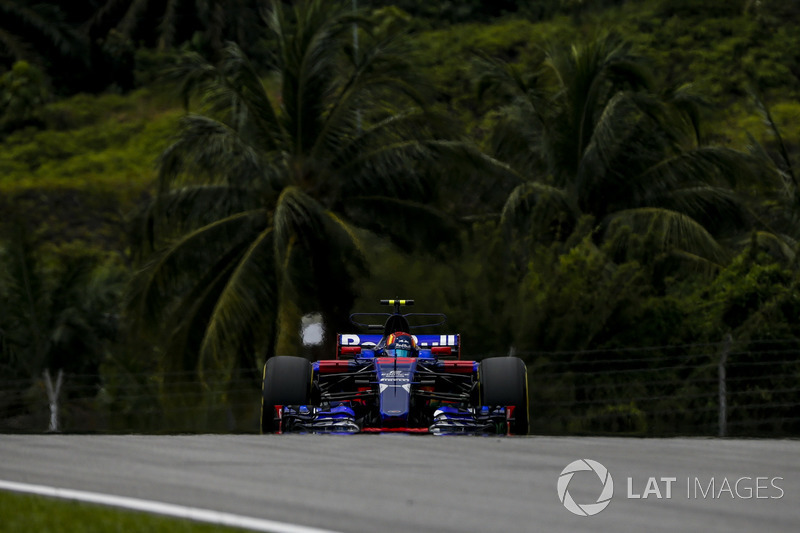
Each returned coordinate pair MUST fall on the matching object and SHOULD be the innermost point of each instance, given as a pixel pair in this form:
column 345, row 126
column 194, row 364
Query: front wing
column 447, row 420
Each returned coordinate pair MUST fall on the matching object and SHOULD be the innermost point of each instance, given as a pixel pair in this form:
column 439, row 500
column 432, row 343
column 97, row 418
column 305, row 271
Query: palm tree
column 780, row 214
column 59, row 309
column 588, row 134
column 39, row 34
column 168, row 24
column 265, row 197
column 30, row 32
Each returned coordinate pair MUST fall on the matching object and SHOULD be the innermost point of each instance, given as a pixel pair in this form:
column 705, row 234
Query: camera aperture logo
column 747, row 487
column 586, row 509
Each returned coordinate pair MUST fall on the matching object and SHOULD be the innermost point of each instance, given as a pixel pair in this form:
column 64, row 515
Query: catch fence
column 713, row 389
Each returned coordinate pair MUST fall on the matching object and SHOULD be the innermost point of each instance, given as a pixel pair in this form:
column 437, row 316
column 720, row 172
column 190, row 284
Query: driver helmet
column 401, row 344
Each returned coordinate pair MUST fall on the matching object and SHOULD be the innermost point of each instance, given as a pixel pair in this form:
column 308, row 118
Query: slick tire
column 287, row 381
column 504, row 383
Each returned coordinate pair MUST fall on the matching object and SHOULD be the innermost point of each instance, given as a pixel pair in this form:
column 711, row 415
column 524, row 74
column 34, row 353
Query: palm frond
column 178, row 211
column 785, row 163
column 46, row 20
column 518, row 139
column 247, row 301
column 631, row 160
column 625, row 142
column 194, row 74
column 409, row 123
column 233, row 92
column 152, row 287
column 403, row 168
column 535, row 207
column 681, row 261
column 244, row 91
column 297, row 216
column 666, row 230
column 408, row 223
column 585, row 73
column 712, row 165
column 719, row 209
column 499, row 76
column 689, row 104
column 208, row 151
column 185, row 326
column 586, row 77
column 355, row 244
column 308, row 54
column 779, row 246
column 389, row 168
column 380, row 70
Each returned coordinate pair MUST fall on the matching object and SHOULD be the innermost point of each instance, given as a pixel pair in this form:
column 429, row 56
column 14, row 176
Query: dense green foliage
column 558, row 177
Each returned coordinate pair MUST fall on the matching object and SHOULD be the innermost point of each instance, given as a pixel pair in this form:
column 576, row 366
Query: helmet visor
column 401, row 347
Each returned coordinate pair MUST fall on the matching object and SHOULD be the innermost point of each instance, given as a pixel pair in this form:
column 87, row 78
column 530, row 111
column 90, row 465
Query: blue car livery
column 395, row 382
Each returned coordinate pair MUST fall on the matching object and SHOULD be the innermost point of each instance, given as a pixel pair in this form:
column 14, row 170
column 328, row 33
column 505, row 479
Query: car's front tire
column 287, row 381
column 504, row 383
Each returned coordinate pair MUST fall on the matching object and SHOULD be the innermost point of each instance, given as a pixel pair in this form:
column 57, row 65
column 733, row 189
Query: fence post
column 52, row 396
column 723, row 405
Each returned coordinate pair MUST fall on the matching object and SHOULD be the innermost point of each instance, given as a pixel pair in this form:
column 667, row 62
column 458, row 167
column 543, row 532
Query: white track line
column 178, row 511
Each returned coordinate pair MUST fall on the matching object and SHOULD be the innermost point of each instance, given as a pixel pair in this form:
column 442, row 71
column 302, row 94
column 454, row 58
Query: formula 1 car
column 395, row 382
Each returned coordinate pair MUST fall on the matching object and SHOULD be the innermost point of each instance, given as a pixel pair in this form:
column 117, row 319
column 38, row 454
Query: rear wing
column 347, row 344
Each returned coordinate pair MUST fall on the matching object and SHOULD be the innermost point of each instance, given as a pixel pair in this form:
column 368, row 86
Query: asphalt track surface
column 371, row 483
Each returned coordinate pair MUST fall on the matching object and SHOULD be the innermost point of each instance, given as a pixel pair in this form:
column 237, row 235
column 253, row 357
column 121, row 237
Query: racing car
column 395, row 381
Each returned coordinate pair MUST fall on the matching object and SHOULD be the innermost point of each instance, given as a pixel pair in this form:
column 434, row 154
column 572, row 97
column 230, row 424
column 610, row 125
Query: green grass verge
column 26, row 513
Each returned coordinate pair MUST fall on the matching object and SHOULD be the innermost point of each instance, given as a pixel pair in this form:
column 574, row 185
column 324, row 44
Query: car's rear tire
column 287, row 381
column 504, row 383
